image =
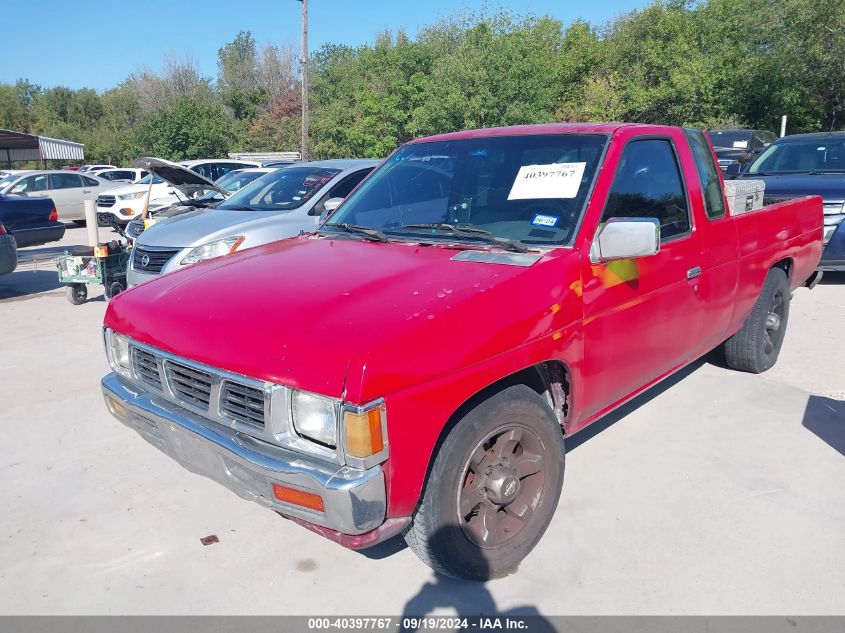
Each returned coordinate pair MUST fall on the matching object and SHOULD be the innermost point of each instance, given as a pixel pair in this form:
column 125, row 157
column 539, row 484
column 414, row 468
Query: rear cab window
column 708, row 174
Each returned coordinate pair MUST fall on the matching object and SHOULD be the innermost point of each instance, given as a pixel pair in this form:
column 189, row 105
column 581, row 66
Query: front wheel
column 493, row 488
column 755, row 348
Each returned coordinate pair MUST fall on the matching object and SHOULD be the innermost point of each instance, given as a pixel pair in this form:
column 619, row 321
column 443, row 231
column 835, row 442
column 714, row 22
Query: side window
column 31, row 184
column 341, row 190
column 225, row 168
column 90, row 182
column 648, row 184
column 65, row 181
column 345, row 186
column 708, row 174
column 205, row 171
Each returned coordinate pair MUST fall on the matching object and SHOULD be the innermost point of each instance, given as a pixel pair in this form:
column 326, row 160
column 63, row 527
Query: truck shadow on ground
column 825, row 417
column 715, row 357
column 464, row 598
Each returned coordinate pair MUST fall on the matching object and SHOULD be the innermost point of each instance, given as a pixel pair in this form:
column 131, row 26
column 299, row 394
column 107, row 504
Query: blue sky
column 98, row 43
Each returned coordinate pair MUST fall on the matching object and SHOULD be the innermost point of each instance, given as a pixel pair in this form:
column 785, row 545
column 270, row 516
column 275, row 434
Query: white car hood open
column 186, row 181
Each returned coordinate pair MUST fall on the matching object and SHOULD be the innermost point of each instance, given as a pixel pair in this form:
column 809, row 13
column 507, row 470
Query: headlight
column 315, row 417
column 117, row 348
column 132, row 196
column 213, row 249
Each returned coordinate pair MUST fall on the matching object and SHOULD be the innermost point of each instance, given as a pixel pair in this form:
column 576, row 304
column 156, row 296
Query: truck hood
column 347, row 317
column 831, row 187
column 206, row 225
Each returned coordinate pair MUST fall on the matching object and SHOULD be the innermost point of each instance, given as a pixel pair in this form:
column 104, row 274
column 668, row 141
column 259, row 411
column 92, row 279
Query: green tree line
column 712, row 63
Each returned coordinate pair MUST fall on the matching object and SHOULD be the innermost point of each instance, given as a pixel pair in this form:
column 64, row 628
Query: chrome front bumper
column 354, row 500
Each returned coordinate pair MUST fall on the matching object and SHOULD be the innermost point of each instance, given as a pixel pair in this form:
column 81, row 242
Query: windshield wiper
column 823, row 172
column 471, row 231
column 374, row 235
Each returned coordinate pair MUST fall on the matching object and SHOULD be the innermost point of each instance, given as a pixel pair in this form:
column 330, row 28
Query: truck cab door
column 641, row 316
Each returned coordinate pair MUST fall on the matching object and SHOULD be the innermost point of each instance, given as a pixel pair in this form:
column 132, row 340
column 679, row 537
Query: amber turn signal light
column 364, row 435
column 298, row 497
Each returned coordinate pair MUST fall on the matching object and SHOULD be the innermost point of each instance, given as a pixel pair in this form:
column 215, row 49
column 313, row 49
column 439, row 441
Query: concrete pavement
column 715, row 493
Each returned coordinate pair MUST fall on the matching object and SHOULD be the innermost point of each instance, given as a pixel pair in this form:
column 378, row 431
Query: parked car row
column 277, row 204
column 416, row 362
column 126, row 203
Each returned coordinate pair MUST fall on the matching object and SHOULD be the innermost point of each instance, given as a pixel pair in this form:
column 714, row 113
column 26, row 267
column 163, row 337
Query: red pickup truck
column 416, row 364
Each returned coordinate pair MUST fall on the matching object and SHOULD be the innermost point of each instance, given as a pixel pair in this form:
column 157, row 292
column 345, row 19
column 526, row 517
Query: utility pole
column 303, row 65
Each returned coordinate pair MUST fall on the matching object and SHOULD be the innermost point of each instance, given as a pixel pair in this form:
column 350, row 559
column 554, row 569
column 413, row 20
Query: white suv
column 126, row 203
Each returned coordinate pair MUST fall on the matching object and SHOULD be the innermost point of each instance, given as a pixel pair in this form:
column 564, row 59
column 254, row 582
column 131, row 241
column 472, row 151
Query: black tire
column 79, row 222
column 756, row 346
column 77, row 294
column 114, row 288
column 446, row 539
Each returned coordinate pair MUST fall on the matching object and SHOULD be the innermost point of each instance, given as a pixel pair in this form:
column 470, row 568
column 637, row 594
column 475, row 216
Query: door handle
column 86, row 191
column 694, row 272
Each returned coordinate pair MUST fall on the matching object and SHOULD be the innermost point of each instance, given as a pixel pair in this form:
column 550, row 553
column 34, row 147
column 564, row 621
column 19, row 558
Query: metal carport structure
column 18, row 147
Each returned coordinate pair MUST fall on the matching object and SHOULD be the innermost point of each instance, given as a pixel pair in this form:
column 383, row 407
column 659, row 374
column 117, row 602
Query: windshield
column 280, row 190
column 529, row 188
column 735, row 139
column 6, row 179
column 146, row 180
column 807, row 155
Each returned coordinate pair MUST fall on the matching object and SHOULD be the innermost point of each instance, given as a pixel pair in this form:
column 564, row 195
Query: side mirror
column 18, row 189
column 626, row 238
column 329, row 207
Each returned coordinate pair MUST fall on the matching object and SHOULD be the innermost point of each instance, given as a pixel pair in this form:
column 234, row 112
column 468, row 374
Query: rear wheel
column 79, row 222
column 77, row 294
column 756, row 346
column 493, row 488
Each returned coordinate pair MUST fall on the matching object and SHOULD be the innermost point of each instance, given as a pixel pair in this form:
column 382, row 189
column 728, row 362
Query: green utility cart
column 79, row 270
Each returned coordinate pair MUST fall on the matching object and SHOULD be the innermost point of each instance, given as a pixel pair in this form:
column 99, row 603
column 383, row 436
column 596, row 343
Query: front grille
column 189, row 385
column 229, row 399
column 134, row 229
column 149, row 260
column 105, row 201
column 105, row 219
column 146, row 368
column 242, row 403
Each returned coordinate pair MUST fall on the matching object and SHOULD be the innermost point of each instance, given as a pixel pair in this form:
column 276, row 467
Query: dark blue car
column 804, row 165
column 31, row 221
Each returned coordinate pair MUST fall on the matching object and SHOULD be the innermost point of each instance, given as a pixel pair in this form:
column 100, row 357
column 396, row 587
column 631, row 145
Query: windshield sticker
column 558, row 180
column 545, row 220
column 740, row 144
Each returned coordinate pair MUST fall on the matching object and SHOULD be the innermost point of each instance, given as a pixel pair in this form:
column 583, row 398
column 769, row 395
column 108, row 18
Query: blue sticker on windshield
column 545, row 220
